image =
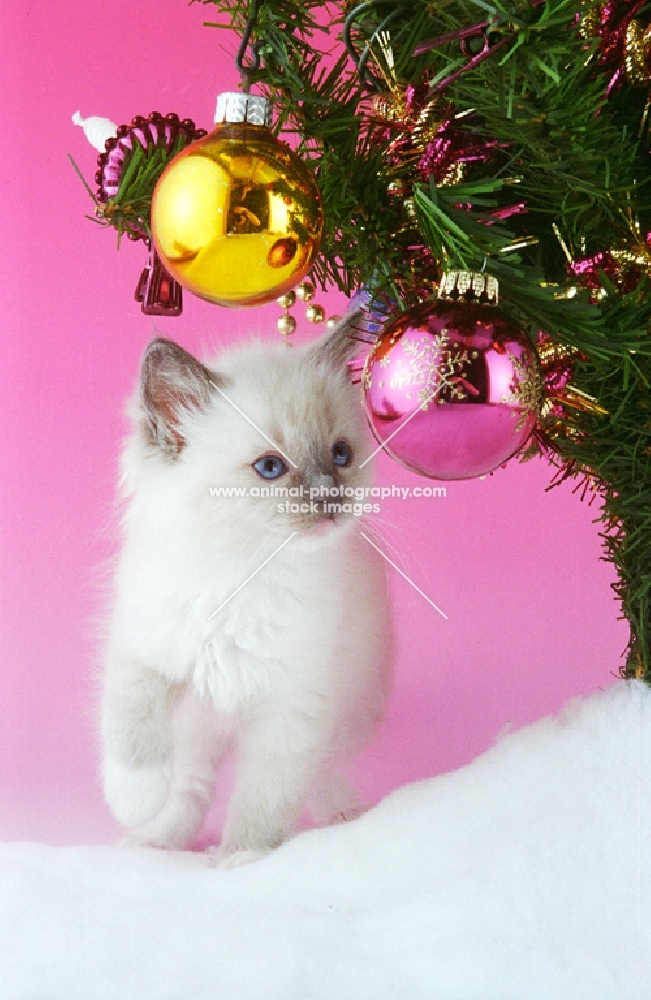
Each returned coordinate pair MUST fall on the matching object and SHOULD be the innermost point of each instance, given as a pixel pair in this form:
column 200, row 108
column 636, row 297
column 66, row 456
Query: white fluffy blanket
column 525, row 875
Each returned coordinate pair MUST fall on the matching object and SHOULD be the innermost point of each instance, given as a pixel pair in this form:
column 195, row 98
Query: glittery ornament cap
column 469, row 286
column 236, row 107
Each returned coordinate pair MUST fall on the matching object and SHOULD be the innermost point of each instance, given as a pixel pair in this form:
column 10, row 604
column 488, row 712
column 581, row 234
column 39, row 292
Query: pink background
column 532, row 620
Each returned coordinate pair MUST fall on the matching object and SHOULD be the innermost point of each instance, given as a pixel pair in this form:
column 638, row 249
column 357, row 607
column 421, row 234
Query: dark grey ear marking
column 342, row 343
column 171, row 382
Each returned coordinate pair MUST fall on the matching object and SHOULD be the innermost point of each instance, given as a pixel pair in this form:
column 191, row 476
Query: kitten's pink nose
column 322, row 523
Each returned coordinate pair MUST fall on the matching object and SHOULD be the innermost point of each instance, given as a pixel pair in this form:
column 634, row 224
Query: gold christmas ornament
column 397, row 188
column 236, row 216
column 332, row 321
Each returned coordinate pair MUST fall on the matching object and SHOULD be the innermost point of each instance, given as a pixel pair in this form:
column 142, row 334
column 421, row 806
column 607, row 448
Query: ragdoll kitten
column 241, row 619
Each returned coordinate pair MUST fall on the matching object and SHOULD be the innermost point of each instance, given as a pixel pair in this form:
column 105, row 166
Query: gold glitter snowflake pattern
column 435, row 367
column 367, row 380
column 526, row 389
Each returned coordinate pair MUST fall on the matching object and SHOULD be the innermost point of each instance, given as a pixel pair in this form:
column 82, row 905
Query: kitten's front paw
column 223, row 858
column 349, row 813
column 135, row 794
column 142, row 838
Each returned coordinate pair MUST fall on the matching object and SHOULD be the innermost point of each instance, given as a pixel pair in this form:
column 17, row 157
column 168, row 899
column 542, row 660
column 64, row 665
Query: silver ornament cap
column 235, row 108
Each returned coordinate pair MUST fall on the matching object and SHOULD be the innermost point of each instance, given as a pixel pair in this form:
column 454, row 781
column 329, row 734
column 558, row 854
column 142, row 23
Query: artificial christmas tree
column 505, row 138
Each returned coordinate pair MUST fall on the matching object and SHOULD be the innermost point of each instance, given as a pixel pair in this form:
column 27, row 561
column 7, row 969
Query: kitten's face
column 279, row 427
column 306, row 470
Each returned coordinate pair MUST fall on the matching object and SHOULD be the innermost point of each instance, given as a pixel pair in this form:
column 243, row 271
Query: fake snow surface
column 525, row 875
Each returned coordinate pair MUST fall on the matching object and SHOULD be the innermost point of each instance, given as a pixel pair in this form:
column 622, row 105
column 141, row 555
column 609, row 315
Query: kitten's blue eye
column 270, row 467
column 341, row 453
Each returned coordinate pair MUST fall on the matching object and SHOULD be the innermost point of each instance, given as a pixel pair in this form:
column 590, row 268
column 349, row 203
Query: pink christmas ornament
column 453, row 388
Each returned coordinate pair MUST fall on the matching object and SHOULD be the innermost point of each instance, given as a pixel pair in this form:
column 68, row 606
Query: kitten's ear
column 343, row 343
column 171, row 382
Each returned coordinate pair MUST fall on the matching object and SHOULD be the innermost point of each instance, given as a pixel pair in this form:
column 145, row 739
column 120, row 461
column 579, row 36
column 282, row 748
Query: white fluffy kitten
column 225, row 632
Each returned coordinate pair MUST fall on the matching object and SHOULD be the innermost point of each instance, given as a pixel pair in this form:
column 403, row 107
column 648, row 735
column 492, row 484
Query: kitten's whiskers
column 404, row 575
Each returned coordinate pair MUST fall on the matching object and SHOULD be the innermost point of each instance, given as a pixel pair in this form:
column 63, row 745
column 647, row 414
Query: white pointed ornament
column 97, row 130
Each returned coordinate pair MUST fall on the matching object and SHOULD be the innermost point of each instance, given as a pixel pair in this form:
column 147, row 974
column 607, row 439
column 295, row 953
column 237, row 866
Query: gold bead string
column 314, row 313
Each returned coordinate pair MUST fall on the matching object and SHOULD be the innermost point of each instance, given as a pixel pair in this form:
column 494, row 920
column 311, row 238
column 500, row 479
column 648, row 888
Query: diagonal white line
column 243, row 414
column 403, row 575
column 404, row 422
column 255, row 571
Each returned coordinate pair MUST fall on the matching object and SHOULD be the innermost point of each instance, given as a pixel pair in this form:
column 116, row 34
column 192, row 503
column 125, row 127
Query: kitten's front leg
column 137, row 709
column 280, row 752
column 333, row 799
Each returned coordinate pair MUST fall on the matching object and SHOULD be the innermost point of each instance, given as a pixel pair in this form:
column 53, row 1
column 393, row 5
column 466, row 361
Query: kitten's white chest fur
column 238, row 659
column 233, row 620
